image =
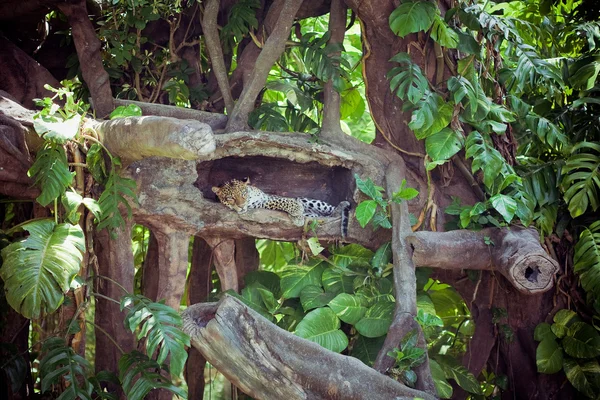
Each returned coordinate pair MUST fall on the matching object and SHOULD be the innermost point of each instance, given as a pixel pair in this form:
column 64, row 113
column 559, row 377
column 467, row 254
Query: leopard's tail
column 344, row 207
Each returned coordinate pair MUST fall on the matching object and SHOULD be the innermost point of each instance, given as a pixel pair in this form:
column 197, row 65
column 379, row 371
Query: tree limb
column 215, row 51
column 271, row 51
column 268, row 362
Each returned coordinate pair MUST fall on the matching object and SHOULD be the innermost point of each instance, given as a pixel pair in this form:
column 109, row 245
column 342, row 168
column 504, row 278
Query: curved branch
column 88, row 47
column 274, row 46
column 213, row 45
column 269, row 363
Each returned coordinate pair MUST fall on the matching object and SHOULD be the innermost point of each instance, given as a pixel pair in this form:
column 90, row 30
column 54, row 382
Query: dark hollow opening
column 531, row 274
column 278, row 176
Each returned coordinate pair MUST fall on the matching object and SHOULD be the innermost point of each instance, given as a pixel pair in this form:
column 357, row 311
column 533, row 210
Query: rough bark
column 515, row 253
column 115, row 260
column 135, row 138
column 271, row 51
column 214, row 120
column 213, row 45
column 269, row 363
column 224, row 259
column 172, row 264
column 88, row 50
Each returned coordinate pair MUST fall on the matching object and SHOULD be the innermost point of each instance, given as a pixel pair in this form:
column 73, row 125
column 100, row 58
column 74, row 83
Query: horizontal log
column 268, row 362
column 514, row 252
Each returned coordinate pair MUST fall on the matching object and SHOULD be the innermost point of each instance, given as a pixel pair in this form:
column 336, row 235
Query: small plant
column 377, row 209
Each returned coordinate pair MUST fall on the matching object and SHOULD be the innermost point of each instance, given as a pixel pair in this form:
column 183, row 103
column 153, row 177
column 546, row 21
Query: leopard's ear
column 216, row 190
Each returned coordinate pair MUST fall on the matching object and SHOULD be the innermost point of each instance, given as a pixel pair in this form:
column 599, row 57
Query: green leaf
column 582, row 178
column 352, row 255
column 267, row 279
column 336, row 282
column 549, row 356
column 582, row 341
column 95, row 162
column 139, row 375
column 407, row 81
column 368, row 188
column 543, row 331
column 485, row 157
column 562, row 320
column 313, row 296
column 443, row 388
column 583, row 375
column 428, row 320
column 454, row 370
column 444, row 144
column 274, row 255
column 366, row 349
column 461, row 88
column 431, row 116
column 443, row 34
column 114, row 194
column 382, row 257
column 352, row 105
column 161, row 326
column 130, row 110
column 377, row 320
column 412, row 17
column 365, row 211
column 322, row 326
column 404, row 193
column 51, row 172
column 315, row 246
column 295, row 278
column 505, row 205
column 587, row 258
column 61, row 362
column 348, row 308
column 57, row 131
column 39, row 269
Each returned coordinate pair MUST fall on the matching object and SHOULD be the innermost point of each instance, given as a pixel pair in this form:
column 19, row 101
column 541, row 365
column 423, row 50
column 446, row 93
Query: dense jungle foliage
column 523, row 105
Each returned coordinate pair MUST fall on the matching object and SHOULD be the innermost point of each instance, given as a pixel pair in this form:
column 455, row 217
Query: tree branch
column 215, row 51
column 274, row 46
column 516, row 253
column 269, row 363
column 88, row 47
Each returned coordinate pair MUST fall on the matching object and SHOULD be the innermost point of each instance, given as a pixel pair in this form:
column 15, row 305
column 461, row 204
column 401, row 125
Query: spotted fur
column 240, row 196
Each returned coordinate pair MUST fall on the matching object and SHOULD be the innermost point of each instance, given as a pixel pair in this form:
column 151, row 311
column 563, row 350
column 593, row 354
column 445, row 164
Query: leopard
column 240, row 195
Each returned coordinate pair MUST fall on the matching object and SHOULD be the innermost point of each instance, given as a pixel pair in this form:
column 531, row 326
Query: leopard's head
column 233, row 194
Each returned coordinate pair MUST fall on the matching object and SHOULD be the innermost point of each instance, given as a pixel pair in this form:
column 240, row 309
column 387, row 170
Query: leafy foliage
column 37, row 270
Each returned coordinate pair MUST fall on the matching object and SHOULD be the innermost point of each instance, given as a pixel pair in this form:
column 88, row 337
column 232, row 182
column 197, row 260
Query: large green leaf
column 543, row 331
column 582, row 341
column 366, row 349
column 348, row 308
column 335, row 281
column 61, row 362
column 444, row 144
column 377, row 320
column 114, row 194
column 413, row 16
column 549, row 356
column 274, row 255
column 505, row 205
column 161, row 326
column 295, row 278
column 443, row 34
column 461, row 88
column 51, row 172
column 454, row 370
column 407, row 80
column 57, row 130
column 352, row 255
column 313, row 296
column 39, row 269
column 562, row 320
column 431, row 116
column 587, row 258
column 269, row 280
column 139, row 375
column 443, row 388
column 365, row 211
column 583, row 375
column 322, row 326
column 382, row 257
column 485, row 157
column 582, row 178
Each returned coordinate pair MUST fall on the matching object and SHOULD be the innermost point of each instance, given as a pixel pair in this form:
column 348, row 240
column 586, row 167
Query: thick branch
column 214, row 120
column 274, row 46
column 405, row 287
column 213, row 45
column 269, row 363
column 332, row 100
column 516, row 253
column 88, row 47
column 137, row 137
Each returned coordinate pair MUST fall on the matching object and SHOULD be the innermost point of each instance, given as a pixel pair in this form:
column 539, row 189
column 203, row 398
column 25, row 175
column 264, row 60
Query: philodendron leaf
column 549, row 356
column 348, row 308
column 39, row 269
column 582, row 341
column 444, row 144
column 313, row 296
column 412, row 16
column 322, row 326
column 377, row 320
column 296, row 278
